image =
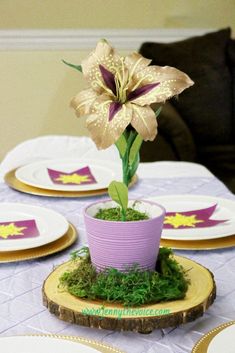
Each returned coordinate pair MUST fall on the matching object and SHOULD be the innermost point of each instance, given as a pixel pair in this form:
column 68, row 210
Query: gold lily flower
column 121, row 91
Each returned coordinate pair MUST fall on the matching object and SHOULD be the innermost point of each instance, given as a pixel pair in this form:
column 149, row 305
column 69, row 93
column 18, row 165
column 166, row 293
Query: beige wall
column 35, row 92
column 36, row 87
column 116, row 13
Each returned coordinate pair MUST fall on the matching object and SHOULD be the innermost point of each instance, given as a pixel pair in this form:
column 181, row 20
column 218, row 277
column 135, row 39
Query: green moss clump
column 114, row 214
column 131, row 288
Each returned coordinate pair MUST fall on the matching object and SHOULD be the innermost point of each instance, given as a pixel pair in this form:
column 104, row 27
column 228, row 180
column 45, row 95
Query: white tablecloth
column 21, row 309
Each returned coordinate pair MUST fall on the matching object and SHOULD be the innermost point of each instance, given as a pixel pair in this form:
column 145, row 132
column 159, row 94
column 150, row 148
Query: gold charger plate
column 203, row 344
column 208, row 244
column 16, row 184
column 160, row 315
column 58, row 245
column 101, row 347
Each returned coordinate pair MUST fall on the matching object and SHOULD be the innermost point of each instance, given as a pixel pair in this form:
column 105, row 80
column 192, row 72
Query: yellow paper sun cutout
column 179, row 220
column 10, row 230
column 73, row 178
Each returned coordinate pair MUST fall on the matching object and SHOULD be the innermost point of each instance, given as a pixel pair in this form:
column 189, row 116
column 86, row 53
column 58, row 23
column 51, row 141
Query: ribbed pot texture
column 122, row 244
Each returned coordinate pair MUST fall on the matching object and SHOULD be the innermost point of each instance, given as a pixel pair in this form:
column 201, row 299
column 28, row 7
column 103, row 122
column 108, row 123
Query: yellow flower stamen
column 150, row 77
column 101, row 85
column 134, row 67
column 121, row 80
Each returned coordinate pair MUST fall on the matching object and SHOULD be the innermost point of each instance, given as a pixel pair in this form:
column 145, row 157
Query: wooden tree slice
column 144, row 319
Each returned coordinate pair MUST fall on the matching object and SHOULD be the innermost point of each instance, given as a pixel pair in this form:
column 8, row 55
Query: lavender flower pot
column 122, row 244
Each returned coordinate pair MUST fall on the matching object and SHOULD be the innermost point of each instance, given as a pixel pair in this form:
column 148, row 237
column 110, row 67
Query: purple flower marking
column 108, row 78
column 114, row 109
column 138, row 92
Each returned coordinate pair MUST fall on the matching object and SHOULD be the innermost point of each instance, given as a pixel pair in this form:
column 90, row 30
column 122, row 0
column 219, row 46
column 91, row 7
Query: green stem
column 125, row 172
column 123, row 215
column 126, row 168
column 129, row 163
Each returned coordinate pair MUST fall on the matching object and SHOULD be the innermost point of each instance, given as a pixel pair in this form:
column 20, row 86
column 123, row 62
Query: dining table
column 21, row 308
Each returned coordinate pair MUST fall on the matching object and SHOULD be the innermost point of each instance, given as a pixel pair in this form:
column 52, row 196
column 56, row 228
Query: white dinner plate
column 223, row 341
column 34, row 344
column 49, row 226
column 36, row 174
column 225, row 210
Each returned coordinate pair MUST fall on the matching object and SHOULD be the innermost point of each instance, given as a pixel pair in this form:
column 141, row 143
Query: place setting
column 217, row 340
column 197, row 222
column 54, row 343
column 28, row 232
column 65, row 177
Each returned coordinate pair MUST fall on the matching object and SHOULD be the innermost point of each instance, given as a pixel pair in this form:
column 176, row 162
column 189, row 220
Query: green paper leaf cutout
column 121, row 145
column 76, row 67
column 135, row 149
column 158, row 111
column 119, row 193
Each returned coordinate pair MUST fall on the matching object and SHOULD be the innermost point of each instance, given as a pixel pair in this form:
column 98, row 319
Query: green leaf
column 135, row 149
column 119, row 193
column 76, row 67
column 158, row 111
column 135, row 165
column 131, row 139
column 121, row 145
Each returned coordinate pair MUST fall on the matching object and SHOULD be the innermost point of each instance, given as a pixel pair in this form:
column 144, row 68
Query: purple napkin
column 18, row 229
column 81, row 176
column 191, row 219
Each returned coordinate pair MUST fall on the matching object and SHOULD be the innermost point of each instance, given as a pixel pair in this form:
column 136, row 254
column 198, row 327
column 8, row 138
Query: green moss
column 114, row 214
column 131, row 288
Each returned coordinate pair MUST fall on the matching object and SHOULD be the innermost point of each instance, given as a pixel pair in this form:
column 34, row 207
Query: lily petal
column 144, row 122
column 103, row 55
column 135, row 62
column 83, row 101
column 170, row 81
column 105, row 131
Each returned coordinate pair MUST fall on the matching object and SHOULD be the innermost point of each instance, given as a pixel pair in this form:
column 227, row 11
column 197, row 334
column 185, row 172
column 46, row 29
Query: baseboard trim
column 85, row 39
